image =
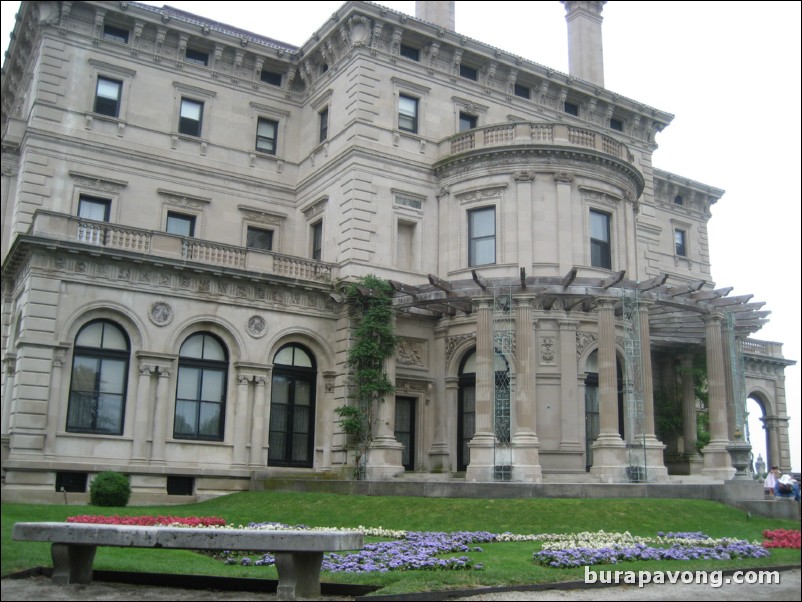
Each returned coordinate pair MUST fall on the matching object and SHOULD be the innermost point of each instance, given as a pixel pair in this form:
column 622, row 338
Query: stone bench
column 299, row 554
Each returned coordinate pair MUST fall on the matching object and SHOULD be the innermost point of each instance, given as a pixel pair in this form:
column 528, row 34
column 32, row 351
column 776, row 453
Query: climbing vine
column 372, row 343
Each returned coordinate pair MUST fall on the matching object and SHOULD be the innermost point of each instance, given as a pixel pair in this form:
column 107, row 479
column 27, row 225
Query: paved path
column 40, row 588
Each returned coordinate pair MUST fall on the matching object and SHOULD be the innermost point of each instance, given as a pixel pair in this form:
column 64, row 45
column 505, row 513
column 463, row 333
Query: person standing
column 771, row 481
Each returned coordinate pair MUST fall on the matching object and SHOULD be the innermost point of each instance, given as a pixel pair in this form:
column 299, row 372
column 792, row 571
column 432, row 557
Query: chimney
column 439, row 13
column 585, row 50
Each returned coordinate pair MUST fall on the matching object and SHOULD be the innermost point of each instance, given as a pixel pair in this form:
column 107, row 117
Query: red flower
column 150, row 521
column 783, row 538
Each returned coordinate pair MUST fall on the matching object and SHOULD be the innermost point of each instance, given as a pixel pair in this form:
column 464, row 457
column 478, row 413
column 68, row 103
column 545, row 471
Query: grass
column 505, row 563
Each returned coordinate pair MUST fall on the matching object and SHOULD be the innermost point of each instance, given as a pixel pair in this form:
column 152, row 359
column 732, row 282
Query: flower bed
column 783, row 538
column 150, row 521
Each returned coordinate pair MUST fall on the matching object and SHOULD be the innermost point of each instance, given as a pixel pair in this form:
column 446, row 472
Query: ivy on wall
column 372, row 344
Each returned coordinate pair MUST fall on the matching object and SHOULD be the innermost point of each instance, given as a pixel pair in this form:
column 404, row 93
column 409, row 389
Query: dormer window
column 409, row 52
column 197, row 57
column 468, row 72
column 523, row 91
column 616, row 124
column 571, row 108
column 115, row 34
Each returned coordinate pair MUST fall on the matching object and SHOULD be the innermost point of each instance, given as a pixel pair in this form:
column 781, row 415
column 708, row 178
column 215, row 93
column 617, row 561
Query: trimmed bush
column 110, row 489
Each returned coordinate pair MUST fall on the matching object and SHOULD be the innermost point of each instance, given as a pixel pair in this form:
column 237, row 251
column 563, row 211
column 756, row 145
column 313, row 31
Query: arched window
column 466, row 401
column 200, row 401
column 99, row 379
column 292, row 408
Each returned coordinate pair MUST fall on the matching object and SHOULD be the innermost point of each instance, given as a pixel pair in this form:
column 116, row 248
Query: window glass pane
column 192, row 347
column 109, row 413
column 284, row 356
column 91, row 335
column 483, row 223
column 302, row 358
column 269, row 77
column 107, row 88
column 188, row 382
column 303, row 393
column 484, row 251
column 112, row 376
column 469, row 367
column 260, row 239
column 213, row 350
column 212, row 385
column 267, row 128
column 466, row 122
column 407, row 106
column 280, row 391
column 210, row 422
column 186, row 417
column 96, row 209
column 300, row 448
column 182, row 225
column 81, row 413
column 599, row 226
column 113, row 337
column 84, row 373
column 191, row 109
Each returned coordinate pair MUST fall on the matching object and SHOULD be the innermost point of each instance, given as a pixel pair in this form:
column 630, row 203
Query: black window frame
column 571, row 108
column 76, row 417
column 272, row 78
column 196, row 56
column 467, row 121
column 104, row 105
column 680, row 242
column 409, row 52
column 203, row 366
column 408, row 122
column 317, row 240
column 190, row 126
column 473, row 239
column 468, row 72
column 323, row 124
column 522, row 91
column 266, row 144
column 616, row 124
column 253, row 234
column 85, row 199
column 114, row 33
column 601, row 255
column 175, row 215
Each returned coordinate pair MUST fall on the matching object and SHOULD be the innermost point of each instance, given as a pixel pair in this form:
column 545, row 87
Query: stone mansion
column 181, row 199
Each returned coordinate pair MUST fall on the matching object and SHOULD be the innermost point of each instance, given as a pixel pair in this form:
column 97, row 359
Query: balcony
column 518, row 133
column 51, row 226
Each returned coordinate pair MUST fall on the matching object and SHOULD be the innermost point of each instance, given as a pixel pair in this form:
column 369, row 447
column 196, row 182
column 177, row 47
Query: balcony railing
column 58, row 226
column 557, row 134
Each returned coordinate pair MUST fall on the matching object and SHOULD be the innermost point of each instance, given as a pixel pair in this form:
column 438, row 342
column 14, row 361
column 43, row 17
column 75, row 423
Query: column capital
column 566, row 324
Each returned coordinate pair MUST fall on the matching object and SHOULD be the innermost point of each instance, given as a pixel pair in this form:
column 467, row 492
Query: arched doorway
column 758, row 436
column 292, row 407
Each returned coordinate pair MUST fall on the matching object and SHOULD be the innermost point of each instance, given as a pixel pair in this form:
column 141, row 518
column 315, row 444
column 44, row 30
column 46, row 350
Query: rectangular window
column 466, row 121
column 266, row 135
column 522, row 91
column 323, row 120
column 259, row 238
column 180, row 485
column 616, row 124
column 197, row 57
column 71, row 482
column 90, row 207
column 408, row 114
column 410, row 52
column 482, row 236
column 107, row 96
column 115, row 34
column 680, row 240
column 191, row 117
column 178, row 223
column 571, row 108
column 271, row 77
column 468, row 72
column 317, row 241
column 600, row 250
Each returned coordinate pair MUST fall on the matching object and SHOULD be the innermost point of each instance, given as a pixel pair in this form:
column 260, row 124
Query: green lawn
column 505, row 563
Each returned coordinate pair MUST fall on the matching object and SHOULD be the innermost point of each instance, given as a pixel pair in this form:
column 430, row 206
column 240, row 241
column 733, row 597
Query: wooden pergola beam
column 613, row 280
column 569, row 278
column 443, row 285
column 648, row 285
column 714, row 294
column 482, row 282
column 726, row 301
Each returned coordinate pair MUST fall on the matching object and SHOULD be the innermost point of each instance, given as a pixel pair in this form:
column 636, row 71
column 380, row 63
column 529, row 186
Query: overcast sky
column 730, row 72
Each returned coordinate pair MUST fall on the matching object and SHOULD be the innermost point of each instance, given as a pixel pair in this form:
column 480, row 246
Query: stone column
column 258, row 457
column 572, row 404
column 717, row 462
column 565, row 221
column 481, row 446
column 241, row 432
column 9, row 369
column 524, row 183
column 441, row 399
column 655, row 466
column 383, row 458
column 609, row 450
column 141, row 413
column 525, row 444
column 56, row 387
column 689, row 427
column 157, row 449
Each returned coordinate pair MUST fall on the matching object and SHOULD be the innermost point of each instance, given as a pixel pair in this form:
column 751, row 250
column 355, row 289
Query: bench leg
column 298, row 575
column 71, row 563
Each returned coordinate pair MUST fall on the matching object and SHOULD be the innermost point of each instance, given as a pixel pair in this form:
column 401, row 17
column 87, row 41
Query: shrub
column 110, row 489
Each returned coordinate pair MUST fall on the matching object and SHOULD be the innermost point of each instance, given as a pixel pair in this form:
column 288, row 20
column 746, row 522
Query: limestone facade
column 180, row 199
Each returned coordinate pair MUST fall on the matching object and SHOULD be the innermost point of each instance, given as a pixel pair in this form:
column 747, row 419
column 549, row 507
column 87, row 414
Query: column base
column 383, row 459
column 695, row 464
column 610, row 459
column 438, row 458
column 526, row 458
column 717, row 461
column 481, row 467
column 656, row 470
